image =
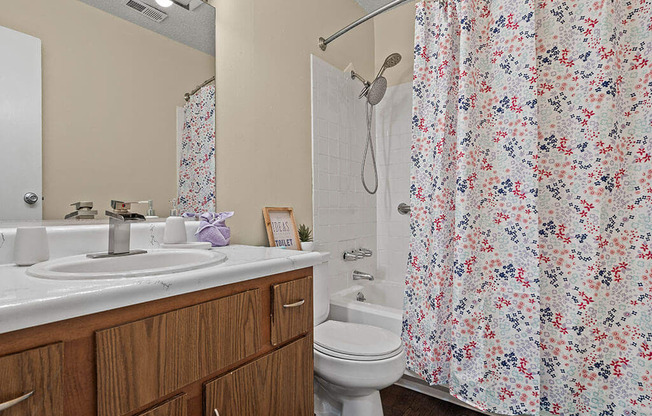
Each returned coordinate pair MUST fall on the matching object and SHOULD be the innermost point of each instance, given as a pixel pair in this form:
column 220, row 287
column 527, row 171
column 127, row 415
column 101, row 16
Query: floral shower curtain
column 529, row 282
column 196, row 191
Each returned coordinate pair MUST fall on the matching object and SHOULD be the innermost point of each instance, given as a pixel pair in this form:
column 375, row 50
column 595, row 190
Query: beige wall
column 110, row 91
column 263, row 101
column 394, row 32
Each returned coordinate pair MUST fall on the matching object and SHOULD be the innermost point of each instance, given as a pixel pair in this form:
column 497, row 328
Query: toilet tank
column 321, row 294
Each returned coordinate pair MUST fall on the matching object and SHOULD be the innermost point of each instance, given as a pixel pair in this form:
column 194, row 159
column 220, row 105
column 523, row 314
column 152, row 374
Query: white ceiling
column 195, row 28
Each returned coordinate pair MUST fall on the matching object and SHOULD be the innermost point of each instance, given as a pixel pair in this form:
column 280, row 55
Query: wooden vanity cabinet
column 141, row 361
column 173, row 407
column 278, row 384
column 38, row 371
column 233, row 348
column 291, row 309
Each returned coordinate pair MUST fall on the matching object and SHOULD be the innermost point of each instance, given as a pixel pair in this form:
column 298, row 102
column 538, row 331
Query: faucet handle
column 349, row 256
column 120, row 206
column 366, row 252
column 82, row 205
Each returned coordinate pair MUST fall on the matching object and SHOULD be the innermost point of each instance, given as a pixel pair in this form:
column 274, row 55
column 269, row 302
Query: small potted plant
column 305, row 236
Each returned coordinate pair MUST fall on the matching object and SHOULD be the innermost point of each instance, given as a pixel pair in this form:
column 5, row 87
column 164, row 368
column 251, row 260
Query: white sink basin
column 154, row 262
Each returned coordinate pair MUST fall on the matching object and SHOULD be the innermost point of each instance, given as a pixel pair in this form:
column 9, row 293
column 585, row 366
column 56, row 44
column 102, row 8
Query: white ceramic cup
column 175, row 231
column 31, row 246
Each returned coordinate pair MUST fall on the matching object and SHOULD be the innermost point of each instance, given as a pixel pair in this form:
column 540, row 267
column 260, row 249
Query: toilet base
column 369, row 405
column 331, row 400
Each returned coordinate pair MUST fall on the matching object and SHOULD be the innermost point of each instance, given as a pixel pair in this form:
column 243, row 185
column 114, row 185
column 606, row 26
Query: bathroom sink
column 154, row 262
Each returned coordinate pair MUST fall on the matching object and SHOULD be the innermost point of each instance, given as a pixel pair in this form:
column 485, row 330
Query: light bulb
column 164, row 3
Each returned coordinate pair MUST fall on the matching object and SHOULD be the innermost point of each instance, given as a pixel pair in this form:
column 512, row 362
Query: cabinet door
column 139, row 362
column 291, row 309
column 278, row 384
column 173, row 407
column 38, row 371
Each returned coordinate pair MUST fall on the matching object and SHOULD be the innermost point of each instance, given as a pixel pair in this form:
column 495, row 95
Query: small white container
column 307, row 245
column 175, row 231
column 31, row 246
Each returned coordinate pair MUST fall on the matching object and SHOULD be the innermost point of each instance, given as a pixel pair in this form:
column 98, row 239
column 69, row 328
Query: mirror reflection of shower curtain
column 196, row 153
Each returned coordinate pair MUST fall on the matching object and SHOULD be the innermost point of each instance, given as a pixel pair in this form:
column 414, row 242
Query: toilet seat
column 356, row 342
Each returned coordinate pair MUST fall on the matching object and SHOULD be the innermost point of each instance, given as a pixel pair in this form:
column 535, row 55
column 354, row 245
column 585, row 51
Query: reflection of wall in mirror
column 20, row 125
column 110, row 92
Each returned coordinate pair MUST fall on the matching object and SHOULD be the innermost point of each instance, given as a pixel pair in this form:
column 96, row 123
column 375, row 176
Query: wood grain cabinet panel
column 278, row 384
column 291, row 309
column 143, row 360
column 173, row 407
column 39, row 370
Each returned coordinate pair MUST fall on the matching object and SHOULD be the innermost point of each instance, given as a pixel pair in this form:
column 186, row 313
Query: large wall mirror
column 93, row 104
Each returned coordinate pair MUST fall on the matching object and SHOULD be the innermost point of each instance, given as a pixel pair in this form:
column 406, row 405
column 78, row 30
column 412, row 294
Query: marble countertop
column 27, row 301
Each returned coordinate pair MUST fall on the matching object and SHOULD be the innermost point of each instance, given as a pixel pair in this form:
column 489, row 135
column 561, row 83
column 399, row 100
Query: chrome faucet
column 120, row 220
column 357, row 254
column 358, row 275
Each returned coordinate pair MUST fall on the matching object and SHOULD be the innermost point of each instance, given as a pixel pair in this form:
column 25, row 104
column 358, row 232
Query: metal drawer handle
column 295, row 304
column 10, row 403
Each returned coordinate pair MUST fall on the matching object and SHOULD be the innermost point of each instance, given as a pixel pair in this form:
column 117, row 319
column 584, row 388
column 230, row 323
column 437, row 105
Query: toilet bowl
column 353, row 362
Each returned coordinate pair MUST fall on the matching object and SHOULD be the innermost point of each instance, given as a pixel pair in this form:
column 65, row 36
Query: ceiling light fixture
column 164, row 3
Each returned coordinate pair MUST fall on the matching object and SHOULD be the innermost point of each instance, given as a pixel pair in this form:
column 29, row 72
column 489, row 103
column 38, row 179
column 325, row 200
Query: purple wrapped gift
column 213, row 229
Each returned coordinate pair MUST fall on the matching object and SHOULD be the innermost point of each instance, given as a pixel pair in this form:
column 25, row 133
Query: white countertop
column 27, row 301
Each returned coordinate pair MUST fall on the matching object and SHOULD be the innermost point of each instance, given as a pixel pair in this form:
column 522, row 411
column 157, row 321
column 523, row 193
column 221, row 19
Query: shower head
column 390, row 61
column 377, row 90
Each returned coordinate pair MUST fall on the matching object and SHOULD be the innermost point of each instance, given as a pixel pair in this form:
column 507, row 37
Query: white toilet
column 353, row 362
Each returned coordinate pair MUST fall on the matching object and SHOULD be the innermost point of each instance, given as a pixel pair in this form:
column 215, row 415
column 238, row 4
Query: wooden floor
column 398, row 401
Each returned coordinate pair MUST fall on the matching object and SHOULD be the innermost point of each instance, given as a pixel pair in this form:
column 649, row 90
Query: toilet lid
column 356, row 340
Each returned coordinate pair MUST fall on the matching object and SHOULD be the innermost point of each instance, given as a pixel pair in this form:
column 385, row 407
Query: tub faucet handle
column 349, row 256
column 366, row 252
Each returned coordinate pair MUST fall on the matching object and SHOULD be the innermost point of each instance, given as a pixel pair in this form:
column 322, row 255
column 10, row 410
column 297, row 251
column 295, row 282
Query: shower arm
column 356, row 75
column 323, row 43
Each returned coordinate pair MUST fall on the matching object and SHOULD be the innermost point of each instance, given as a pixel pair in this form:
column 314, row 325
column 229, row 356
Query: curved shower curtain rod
column 323, row 43
column 198, row 87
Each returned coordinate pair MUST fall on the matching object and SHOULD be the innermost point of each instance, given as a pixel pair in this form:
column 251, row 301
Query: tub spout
column 358, row 275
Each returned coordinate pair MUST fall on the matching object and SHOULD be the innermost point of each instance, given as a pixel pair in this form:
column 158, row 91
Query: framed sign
column 281, row 228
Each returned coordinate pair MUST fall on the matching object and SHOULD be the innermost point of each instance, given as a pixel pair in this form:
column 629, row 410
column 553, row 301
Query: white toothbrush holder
column 31, row 246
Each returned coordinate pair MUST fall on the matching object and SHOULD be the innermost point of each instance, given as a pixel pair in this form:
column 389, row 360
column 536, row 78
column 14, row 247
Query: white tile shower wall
column 394, row 139
column 344, row 215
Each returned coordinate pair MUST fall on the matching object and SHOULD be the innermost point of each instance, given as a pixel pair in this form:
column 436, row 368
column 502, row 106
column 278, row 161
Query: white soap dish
column 195, row 245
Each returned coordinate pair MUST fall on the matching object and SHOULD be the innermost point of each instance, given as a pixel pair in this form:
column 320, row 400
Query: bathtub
column 383, row 307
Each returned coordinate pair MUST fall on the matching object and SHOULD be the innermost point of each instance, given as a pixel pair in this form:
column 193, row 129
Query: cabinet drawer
column 176, row 406
column 143, row 360
column 278, row 384
column 291, row 309
column 38, row 371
